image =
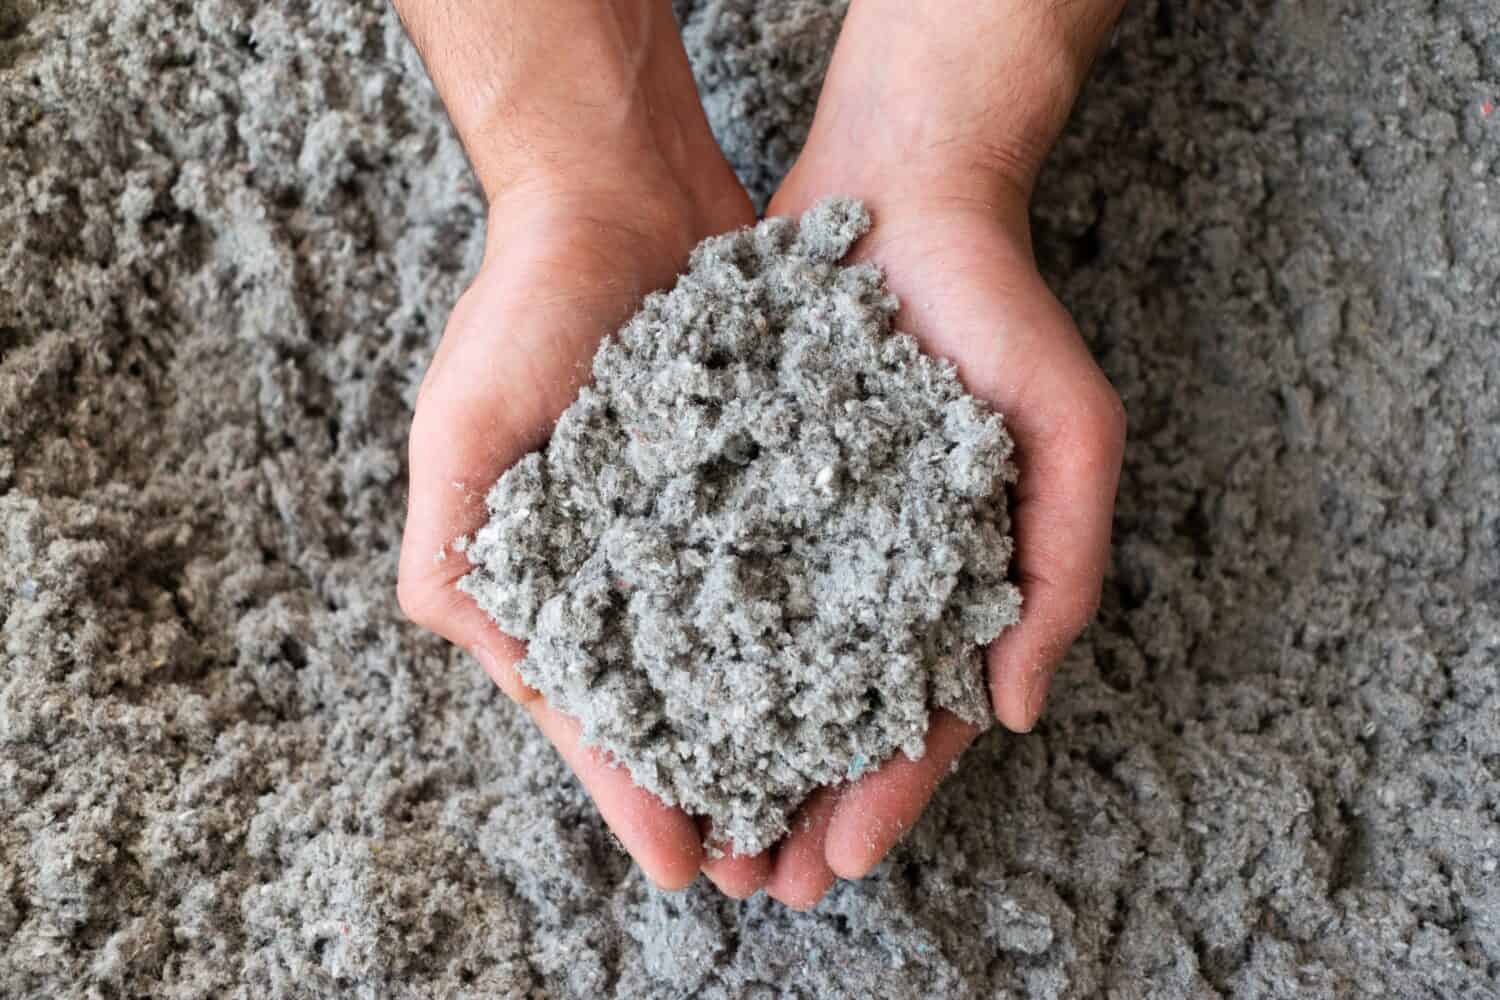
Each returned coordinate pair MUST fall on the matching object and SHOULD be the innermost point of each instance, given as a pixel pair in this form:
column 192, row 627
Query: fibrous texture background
column 766, row 541
column 230, row 236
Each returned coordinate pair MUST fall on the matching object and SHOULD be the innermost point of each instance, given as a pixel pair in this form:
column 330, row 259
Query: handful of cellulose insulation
column 768, row 539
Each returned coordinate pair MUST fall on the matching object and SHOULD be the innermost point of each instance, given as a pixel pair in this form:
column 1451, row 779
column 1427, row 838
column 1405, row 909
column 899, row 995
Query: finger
column 664, row 841
column 878, row 809
column 1015, row 346
column 800, row 875
column 513, row 356
column 427, row 582
column 1062, row 513
column 467, row 431
column 436, row 603
column 738, row 875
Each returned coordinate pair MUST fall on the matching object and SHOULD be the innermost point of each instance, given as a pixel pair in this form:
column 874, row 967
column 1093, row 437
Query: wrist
column 530, row 138
column 965, row 102
column 541, row 93
column 646, row 214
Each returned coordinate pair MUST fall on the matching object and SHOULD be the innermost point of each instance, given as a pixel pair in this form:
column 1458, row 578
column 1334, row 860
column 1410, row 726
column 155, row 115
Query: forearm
column 968, row 85
column 562, row 86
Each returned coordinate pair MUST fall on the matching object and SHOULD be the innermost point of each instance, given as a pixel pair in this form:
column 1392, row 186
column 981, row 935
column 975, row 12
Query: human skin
column 951, row 109
column 584, row 128
column 583, row 125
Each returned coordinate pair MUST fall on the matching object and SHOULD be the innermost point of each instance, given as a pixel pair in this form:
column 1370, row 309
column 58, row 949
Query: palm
column 556, row 279
column 560, row 275
column 970, row 293
column 598, row 204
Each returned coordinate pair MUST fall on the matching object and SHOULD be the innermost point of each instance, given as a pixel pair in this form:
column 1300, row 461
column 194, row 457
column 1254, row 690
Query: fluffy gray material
column 229, row 238
column 768, row 539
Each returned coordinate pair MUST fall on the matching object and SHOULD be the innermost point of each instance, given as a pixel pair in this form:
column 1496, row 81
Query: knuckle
column 1107, row 420
column 1116, row 415
column 1088, row 607
column 1109, row 410
column 426, row 426
column 517, row 690
column 414, row 600
column 1075, row 618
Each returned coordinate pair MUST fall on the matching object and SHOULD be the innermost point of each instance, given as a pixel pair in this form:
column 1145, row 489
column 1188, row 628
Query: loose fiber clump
column 767, row 540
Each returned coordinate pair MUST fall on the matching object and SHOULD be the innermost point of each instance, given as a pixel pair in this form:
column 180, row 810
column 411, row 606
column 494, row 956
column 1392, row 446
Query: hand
column 588, row 212
column 591, row 212
column 949, row 199
column 563, row 268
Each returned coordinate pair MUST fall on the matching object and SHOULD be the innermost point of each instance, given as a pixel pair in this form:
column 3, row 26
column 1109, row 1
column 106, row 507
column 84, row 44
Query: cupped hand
column 563, row 268
column 952, row 236
column 565, row 265
column 592, row 209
